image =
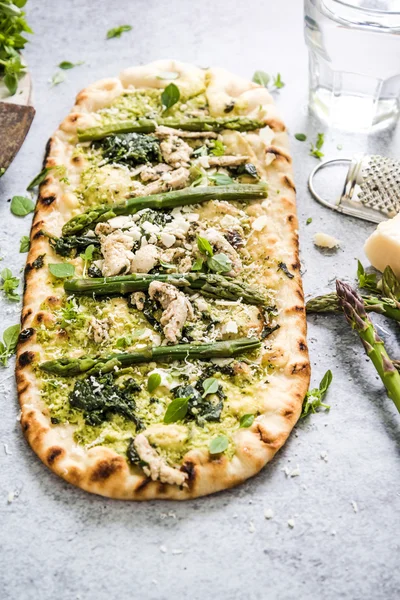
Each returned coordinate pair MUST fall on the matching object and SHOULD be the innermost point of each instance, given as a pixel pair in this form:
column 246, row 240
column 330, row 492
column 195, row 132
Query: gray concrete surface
column 58, row 542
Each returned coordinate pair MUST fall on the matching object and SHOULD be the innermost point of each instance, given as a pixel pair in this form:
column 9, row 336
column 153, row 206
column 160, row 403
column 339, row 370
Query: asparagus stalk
column 149, row 126
column 212, row 285
column 391, row 285
column 191, row 195
column 330, row 303
column 354, row 311
column 75, row 366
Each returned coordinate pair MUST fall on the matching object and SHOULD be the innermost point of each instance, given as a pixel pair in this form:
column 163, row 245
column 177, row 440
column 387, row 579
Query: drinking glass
column 354, row 61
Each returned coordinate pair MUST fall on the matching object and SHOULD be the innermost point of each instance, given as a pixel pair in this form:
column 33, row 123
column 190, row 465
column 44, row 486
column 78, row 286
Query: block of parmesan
column 383, row 246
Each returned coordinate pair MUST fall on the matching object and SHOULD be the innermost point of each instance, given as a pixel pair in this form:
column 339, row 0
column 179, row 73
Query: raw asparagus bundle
column 354, row 311
column 330, row 303
column 149, row 126
column 212, row 285
column 191, row 195
column 76, row 366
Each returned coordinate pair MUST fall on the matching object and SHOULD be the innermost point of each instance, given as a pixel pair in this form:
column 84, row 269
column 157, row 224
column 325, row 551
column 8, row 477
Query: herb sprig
column 9, row 284
column 264, row 79
column 313, row 399
column 315, row 150
column 12, row 26
column 9, row 343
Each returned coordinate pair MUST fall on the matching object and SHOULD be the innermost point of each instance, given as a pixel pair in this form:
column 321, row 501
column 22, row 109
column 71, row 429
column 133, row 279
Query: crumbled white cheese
column 291, row 523
column 324, row 456
column 6, row 449
column 268, row 513
column 167, row 239
column 163, row 549
column 119, row 222
column 355, row 506
column 176, row 552
column 295, row 472
column 150, row 227
column 383, row 246
column 259, row 223
column 323, row 240
column 251, row 527
column 230, row 327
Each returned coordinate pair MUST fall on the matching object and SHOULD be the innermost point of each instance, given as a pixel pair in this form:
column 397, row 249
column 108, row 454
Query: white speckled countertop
column 58, row 542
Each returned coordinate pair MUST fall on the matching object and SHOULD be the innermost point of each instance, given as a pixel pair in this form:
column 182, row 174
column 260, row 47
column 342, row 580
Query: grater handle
column 332, row 205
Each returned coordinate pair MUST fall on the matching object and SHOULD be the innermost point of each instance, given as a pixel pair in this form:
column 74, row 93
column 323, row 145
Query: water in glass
column 354, row 61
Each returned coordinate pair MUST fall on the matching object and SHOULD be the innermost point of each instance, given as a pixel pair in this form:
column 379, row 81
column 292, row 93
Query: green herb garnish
column 210, row 386
column 9, row 343
column 218, row 444
column 301, row 137
column 12, row 26
column 176, row 410
column 309, row 220
column 116, row 32
column 246, row 420
column 221, row 179
column 65, row 64
column 153, row 382
column 62, row 270
column 39, row 178
column 57, row 79
column 170, row 96
column 24, row 244
column 313, row 399
column 9, row 284
column 316, row 150
column 21, row 206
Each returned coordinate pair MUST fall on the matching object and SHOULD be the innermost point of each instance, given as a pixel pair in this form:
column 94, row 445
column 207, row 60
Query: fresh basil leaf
column 301, row 137
column 366, row 280
column 24, row 244
column 210, row 386
column 124, row 342
column 218, row 148
column 153, row 382
column 204, row 246
column 40, row 177
column 11, row 81
column 246, row 420
column 198, row 264
column 218, row 444
column 6, row 274
column 116, row 32
column 10, row 337
column 62, row 270
column 278, row 83
column 65, row 64
column 221, row 179
column 170, row 96
column 88, row 254
column 57, row 78
column 168, row 75
column 9, row 284
column 21, row 206
column 219, row 263
column 313, row 399
column 261, row 78
column 309, row 220
column 176, row 410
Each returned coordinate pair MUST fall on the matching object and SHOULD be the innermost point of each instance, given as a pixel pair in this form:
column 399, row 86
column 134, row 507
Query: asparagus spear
column 212, row 285
column 76, row 366
column 391, row 285
column 354, row 311
column 149, row 125
column 330, row 303
column 191, row 195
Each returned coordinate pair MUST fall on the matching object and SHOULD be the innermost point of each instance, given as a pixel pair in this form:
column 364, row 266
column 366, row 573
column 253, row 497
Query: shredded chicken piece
column 227, row 161
column 177, row 309
column 138, row 299
column 117, row 253
column 170, row 180
column 152, row 173
column 162, row 131
column 221, row 244
column 99, row 329
column 226, row 208
column 155, row 466
column 175, row 151
column 144, row 259
column 185, row 265
column 103, row 229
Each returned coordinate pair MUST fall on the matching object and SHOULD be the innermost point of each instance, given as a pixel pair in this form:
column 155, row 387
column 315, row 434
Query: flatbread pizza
column 163, row 350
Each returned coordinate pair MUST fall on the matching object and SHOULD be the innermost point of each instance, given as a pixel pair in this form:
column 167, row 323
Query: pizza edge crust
column 101, row 470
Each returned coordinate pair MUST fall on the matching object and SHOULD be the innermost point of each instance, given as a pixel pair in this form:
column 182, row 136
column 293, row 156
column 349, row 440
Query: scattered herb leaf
column 309, row 220
column 246, row 420
column 219, row 263
column 221, row 179
column 278, row 83
column 176, row 410
column 9, row 284
column 170, row 96
column 301, row 137
column 65, row 64
column 40, row 177
column 210, row 386
column 204, row 246
column 9, row 343
column 198, row 264
column 62, row 270
column 218, row 148
column 24, row 244
column 57, row 78
column 116, row 32
column 21, row 206
column 218, row 444
column 316, row 150
column 313, row 399
column 261, row 78
column 153, row 382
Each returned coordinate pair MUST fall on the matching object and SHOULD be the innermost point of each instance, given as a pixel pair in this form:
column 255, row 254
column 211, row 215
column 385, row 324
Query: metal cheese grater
column 371, row 190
